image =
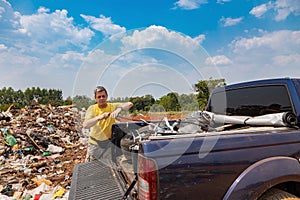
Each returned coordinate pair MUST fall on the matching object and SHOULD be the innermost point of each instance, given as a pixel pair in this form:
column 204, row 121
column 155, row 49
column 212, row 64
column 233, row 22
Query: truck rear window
column 251, row 101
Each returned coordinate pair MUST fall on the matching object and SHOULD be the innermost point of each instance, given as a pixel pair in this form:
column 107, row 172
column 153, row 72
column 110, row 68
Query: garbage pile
column 39, row 146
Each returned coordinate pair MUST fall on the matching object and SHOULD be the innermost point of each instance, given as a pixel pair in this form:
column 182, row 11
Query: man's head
column 101, row 96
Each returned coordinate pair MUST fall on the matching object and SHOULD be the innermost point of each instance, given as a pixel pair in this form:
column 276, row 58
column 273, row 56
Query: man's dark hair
column 100, row 89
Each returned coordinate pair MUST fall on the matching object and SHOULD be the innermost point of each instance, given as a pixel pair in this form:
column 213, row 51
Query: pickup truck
column 245, row 145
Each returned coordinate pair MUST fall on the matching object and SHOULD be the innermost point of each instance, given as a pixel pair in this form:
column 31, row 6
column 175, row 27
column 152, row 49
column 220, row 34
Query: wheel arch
column 263, row 175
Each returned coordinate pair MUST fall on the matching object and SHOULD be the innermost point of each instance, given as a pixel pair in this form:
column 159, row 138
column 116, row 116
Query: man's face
column 101, row 97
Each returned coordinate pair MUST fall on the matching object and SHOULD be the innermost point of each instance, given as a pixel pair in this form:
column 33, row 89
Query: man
column 99, row 119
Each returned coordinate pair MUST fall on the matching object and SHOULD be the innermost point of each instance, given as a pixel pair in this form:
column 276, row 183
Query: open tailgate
column 95, row 180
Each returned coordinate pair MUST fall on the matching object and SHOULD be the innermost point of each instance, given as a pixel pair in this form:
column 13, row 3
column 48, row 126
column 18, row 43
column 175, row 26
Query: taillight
column 147, row 179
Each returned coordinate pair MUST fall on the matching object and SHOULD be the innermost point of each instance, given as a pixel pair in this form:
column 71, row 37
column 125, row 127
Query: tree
column 148, row 102
column 9, row 95
column 44, row 96
column 188, row 102
column 204, row 88
column 170, row 102
column 19, row 99
column 28, row 96
column 82, row 101
column 31, row 95
column 143, row 103
column 68, row 101
column 6, row 97
column 56, row 97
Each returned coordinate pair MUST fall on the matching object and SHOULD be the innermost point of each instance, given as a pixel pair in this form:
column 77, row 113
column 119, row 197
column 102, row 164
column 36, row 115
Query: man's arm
column 124, row 106
column 88, row 123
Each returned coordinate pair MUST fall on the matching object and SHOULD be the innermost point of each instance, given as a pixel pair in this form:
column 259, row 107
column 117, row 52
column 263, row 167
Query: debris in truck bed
column 39, row 147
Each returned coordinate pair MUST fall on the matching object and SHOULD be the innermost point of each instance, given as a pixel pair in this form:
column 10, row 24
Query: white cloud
column 2, row 10
column 153, row 56
column 218, row 60
column 278, row 41
column 17, row 69
column 28, row 43
column 103, row 24
column 223, row 1
column 189, row 4
column 38, row 48
column 9, row 18
column 41, row 33
column 12, row 57
column 258, row 11
column 200, row 38
column 54, row 29
column 159, row 36
column 6, row 2
column 69, row 59
column 43, row 10
column 292, row 60
column 21, row 71
column 282, row 9
column 274, row 54
column 230, row 21
column 3, row 47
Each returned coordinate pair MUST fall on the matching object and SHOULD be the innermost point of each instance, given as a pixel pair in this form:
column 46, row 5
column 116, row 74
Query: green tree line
column 169, row 102
column 19, row 98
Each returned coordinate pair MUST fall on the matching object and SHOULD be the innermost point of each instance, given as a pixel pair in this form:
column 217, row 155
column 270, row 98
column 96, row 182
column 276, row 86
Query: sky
column 139, row 47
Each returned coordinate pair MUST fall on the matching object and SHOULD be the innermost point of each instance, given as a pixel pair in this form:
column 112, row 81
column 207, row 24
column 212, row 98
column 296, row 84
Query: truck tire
column 277, row 194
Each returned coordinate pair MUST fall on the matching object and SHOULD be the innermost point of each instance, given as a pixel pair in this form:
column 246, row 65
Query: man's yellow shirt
column 102, row 130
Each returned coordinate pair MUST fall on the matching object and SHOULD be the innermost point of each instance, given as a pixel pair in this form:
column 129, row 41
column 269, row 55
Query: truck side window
column 251, row 101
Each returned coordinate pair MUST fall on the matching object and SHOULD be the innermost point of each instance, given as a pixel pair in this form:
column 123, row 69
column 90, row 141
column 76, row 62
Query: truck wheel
column 277, row 194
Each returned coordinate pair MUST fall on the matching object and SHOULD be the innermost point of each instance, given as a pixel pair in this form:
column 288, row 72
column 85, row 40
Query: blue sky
column 138, row 47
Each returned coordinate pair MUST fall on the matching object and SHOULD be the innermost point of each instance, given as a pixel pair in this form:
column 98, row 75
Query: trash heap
column 38, row 150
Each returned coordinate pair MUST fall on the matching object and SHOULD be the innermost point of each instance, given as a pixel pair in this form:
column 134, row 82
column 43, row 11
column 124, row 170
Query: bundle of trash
column 39, row 147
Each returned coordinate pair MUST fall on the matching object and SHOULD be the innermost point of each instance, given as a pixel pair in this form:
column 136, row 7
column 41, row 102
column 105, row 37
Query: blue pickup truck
column 245, row 145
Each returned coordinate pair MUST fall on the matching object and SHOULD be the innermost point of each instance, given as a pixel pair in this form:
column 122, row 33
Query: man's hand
column 104, row 115
column 116, row 113
column 91, row 122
